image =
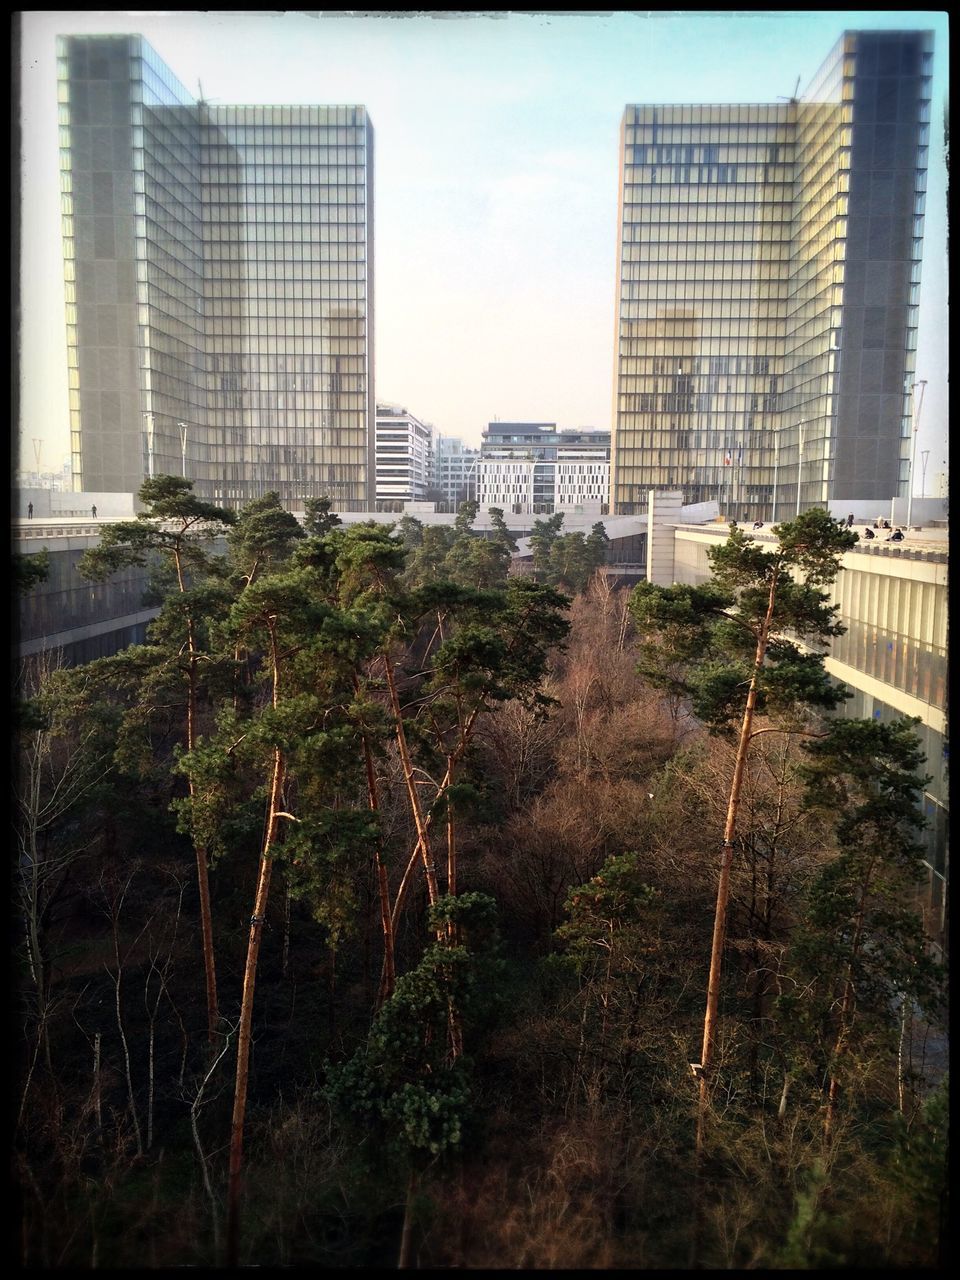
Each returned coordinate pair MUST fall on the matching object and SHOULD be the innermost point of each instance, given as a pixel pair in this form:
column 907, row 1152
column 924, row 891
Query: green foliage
column 803, row 1248
column 427, row 556
column 368, row 560
column 410, row 530
column 919, row 1168
column 400, row 1090
column 885, row 1208
column 319, row 517
column 224, row 812
column 174, row 521
column 569, row 560
column 323, row 854
column 500, row 524
column 30, row 570
column 861, row 915
column 477, row 562
column 263, row 536
column 609, row 916
column 542, row 538
column 702, row 642
column 437, row 553
column 466, row 514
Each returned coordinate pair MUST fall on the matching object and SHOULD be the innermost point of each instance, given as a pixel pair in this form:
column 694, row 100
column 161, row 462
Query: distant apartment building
column 219, row 285
column 404, row 458
column 532, row 468
column 768, row 283
column 454, row 470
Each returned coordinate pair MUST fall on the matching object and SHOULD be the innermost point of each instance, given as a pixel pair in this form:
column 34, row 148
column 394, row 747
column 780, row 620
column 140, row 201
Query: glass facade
column 219, row 285
column 768, row 278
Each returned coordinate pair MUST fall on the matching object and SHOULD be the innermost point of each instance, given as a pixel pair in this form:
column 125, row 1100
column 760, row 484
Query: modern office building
column 404, row 458
column 532, row 468
column 219, row 284
column 769, row 269
column 454, row 470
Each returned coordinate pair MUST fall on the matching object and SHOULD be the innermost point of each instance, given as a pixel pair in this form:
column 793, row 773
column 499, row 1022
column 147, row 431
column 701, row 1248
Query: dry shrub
column 552, row 1212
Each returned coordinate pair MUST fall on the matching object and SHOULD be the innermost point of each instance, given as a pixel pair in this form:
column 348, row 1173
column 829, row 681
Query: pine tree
column 174, row 528
column 732, row 647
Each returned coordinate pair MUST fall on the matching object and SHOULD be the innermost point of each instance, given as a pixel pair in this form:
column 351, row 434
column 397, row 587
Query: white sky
column 496, row 151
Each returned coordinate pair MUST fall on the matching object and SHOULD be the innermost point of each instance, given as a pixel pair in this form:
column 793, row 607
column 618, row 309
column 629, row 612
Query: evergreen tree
column 861, row 952
column 542, row 538
column 30, row 571
column 319, row 516
column 174, row 527
column 730, row 646
column 500, row 524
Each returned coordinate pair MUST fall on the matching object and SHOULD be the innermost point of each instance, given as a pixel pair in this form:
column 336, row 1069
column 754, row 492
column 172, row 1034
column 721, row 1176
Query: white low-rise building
column 531, row 468
column 404, row 457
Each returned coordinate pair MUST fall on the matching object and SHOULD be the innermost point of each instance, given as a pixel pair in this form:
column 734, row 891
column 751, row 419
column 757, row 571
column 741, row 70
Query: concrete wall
column 865, row 512
column 663, row 513
column 50, row 503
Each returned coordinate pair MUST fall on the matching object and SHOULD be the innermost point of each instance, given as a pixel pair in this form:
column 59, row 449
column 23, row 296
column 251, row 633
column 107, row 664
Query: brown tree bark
column 249, row 984
column 723, row 886
column 388, row 976
column 423, row 838
column 203, row 879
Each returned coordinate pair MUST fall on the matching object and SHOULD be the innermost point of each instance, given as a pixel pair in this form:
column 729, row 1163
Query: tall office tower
column 219, row 277
column 404, row 458
column 768, row 286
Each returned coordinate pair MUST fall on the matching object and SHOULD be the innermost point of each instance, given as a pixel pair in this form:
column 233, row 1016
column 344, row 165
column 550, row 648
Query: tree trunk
column 846, row 1008
column 383, row 885
column 415, row 807
column 456, row 756
column 203, row 881
column 406, row 1234
column 246, row 1019
column 723, row 886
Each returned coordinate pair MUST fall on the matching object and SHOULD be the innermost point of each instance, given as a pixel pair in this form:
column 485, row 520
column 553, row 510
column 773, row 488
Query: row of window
column 775, row 182
column 644, row 224
column 279, row 199
column 685, row 123
column 249, row 158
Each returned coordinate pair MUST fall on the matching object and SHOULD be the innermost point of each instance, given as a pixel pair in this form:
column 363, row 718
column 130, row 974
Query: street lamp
column 182, row 428
column 924, row 455
column 917, row 406
column 799, row 463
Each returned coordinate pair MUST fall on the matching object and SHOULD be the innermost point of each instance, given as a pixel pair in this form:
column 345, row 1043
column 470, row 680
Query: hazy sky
column 496, row 151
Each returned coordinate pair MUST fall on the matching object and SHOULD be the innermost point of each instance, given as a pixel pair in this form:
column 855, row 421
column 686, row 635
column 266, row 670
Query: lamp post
column 924, row 455
column 148, row 418
column 799, row 463
column 917, row 406
column 182, row 428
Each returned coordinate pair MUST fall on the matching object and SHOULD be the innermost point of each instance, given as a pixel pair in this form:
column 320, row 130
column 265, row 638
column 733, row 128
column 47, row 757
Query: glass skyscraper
column 769, row 269
column 219, row 274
